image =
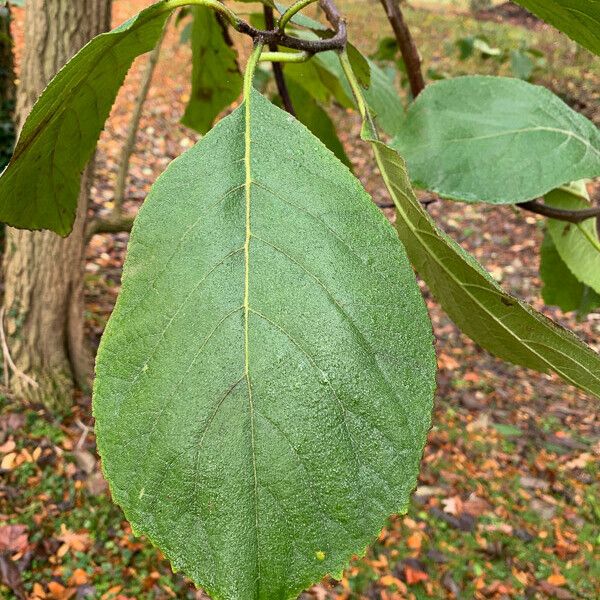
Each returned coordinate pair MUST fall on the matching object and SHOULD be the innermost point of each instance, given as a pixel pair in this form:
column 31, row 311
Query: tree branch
column 560, row 214
column 112, row 224
column 118, row 221
column 282, row 89
column 406, row 43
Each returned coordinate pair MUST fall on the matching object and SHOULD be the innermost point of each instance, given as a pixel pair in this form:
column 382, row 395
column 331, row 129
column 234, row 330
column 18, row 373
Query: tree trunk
column 43, row 273
column 7, row 86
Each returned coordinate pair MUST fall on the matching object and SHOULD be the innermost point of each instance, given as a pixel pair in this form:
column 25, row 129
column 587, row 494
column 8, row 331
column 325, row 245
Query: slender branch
column 118, row 221
column 336, row 42
column 560, row 214
column 112, row 224
column 134, row 124
column 284, row 93
column 406, row 43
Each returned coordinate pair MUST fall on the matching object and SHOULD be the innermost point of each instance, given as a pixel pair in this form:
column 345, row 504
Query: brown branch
column 111, row 224
column 560, row 214
column 406, row 43
column 282, row 88
column 134, row 124
column 119, row 221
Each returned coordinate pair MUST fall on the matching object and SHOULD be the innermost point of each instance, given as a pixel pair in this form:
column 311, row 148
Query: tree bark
column 43, row 273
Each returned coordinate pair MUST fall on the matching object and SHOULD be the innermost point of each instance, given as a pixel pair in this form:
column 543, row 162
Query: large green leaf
column 216, row 79
column 39, row 188
column 579, row 19
column 311, row 114
column 495, row 139
column 577, row 244
column 264, row 385
column 561, row 287
column 497, row 321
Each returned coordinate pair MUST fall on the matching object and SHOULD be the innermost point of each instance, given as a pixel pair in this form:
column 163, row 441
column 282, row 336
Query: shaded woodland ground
column 507, row 504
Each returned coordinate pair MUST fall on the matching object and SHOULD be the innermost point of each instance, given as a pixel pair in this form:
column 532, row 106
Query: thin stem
column 291, row 11
column 406, row 43
column 251, row 68
column 285, row 57
column 358, row 95
column 560, row 214
column 129, row 145
column 282, row 88
column 233, row 19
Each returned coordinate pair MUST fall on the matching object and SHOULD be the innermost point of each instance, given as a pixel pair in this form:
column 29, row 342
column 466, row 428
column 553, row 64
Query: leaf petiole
column 291, row 11
column 285, row 57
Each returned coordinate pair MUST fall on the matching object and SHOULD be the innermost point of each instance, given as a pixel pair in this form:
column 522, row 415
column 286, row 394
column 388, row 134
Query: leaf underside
column 497, row 321
column 264, row 385
column 40, row 187
column 216, row 79
column 495, row 139
column 561, row 287
column 577, row 244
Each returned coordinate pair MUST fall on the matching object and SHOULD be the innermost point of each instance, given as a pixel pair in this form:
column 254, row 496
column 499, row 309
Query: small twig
column 406, row 43
column 282, row 89
column 85, row 430
column 560, row 214
column 129, row 145
column 7, row 357
column 120, row 223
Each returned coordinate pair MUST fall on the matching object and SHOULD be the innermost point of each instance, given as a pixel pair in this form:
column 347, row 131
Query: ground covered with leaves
column 508, row 502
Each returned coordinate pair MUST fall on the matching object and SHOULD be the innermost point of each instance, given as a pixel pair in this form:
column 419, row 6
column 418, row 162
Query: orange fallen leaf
column 556, row 579
column 414, row 576
column 8, row 462
column 79, row 577
column 414, row 541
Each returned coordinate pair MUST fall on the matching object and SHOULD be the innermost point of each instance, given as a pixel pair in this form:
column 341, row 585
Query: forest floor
column 508, row 502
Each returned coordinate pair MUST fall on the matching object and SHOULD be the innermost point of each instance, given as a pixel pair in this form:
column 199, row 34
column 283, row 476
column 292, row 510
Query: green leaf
column 39, row 188
column 577, row 244
column 521, row 65
column 321, row 78
column 497, row 321
column 360, row 65
column 311, row 114
column 579, row 19
column 216, row 79
column 264, row 385
column 496, row 140
column 561, row 287
column 384, row 101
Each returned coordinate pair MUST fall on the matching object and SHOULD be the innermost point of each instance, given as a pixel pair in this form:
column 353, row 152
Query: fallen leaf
column 13, row 538
column 414, row 576
column 8, row 446
column 8, row 462
column 414, row 541
column 556, row 579
column 11, row 577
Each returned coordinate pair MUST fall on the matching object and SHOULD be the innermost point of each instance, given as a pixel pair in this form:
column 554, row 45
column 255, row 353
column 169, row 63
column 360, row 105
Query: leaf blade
column 578, row 245
column 216, row 79
column 315, row 282
column 478, row 139
column 579, row 19
column 497, row 321
column 40, row 186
